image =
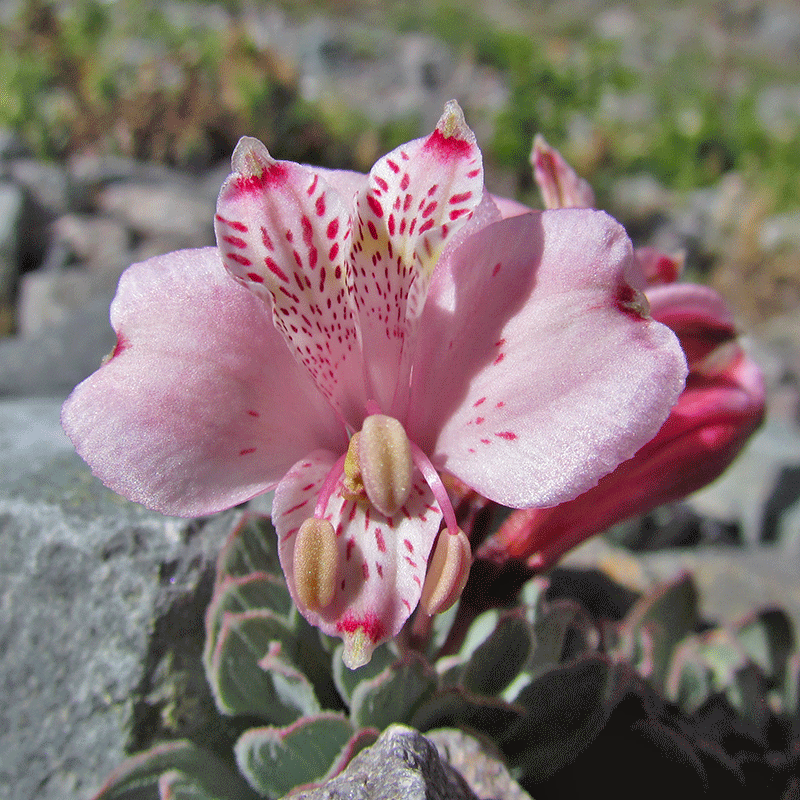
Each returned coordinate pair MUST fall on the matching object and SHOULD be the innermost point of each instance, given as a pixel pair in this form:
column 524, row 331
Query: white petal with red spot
column 417, row 198
column 285, row 233
column 382, row 560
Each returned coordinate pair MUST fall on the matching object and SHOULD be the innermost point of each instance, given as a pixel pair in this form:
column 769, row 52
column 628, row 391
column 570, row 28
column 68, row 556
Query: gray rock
column 479, row 763
column 758, row 487
column 780, row 232
column 101, row 244
column 60, row 357
column 11, row 146
column 86, row 576
column 175, row 209
column 48, row 298
column 11, row 205
column 401, row 764
column 45, row 183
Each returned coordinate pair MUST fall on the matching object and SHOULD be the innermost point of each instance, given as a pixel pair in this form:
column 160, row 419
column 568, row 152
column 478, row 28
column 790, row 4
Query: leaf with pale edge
column 175, row 770
column 276, row 760
column 252, row 546
column 394, row 695
column 254, row 669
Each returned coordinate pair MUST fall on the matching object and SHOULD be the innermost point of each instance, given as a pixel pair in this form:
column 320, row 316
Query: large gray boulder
column 96, row 593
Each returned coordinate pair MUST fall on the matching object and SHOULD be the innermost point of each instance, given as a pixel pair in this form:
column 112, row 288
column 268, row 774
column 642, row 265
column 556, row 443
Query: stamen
column 329, row 487
column 433, row 479
column 316, row 563
column 448, row 570
column 384, row 456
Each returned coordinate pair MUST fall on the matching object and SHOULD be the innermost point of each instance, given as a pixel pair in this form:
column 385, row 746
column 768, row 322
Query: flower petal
column 201, row 405
column 285, row 234
column 560, row 185
column 417, row 198
column 536, row 370
column 381, row 561
column 697, row 314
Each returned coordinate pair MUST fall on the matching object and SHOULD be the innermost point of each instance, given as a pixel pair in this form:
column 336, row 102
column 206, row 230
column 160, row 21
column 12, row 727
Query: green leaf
column 454, row 707
column 394, row 695
column 254, row 669
column 566, row 709
column 347, row 679
column 259, row 590
column 689, row 681
column 251, row 547
column 174, row 770
column 314, row 656
column 499, row 659
column 790, row 696
column 563, row 631
column 276, row 760
column 768, row 639
column 656, row 623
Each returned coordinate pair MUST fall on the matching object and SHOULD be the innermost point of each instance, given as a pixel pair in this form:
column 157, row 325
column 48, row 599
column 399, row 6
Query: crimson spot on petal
column 369, row 623
column 120, row 347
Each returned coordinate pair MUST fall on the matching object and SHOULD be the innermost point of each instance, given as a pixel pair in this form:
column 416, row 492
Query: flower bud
column 316, row 563
column 448, row 570
column 384, row 455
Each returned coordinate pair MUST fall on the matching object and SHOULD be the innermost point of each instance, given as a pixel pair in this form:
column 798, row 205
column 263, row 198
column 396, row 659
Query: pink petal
column 536, row 373
column 508, row 207
column 382, row 560
column 417, row 198
column 711, row 422
column 560, row 185
column 697, row 314
column 200, row 406
column 658, row 267
column 285, row 234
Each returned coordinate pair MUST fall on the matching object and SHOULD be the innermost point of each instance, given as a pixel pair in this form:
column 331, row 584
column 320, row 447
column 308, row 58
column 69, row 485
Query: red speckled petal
column 536, row 374
column 382, row 561
column 285, row 234
column 200, row 406
column 417, row 198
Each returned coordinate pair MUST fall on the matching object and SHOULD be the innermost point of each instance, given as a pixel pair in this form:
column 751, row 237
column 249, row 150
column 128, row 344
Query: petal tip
column 452, row 137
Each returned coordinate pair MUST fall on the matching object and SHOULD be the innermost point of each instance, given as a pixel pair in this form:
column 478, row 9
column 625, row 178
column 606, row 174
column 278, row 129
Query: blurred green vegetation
column 130, row 77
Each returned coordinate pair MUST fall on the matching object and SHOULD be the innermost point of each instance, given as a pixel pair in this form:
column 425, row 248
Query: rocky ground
column 92, row 584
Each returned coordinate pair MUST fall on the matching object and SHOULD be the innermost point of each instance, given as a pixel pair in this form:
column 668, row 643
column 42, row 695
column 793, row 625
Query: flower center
column 378, row 468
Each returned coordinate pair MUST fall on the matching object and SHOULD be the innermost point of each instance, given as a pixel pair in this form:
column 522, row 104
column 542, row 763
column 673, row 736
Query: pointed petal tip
column 357, row 649
column 452, row 123
column 452, row 136
column 250, row 157
column 539, row 149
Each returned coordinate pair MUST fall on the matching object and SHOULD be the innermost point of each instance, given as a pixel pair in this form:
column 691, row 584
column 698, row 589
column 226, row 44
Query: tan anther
column 316, row 563
column 384, row 455
column 448, row 570
column 353, row 482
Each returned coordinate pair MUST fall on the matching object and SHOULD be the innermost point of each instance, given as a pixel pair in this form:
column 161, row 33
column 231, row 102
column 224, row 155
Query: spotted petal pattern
column 284, row 233
column 382, row 560
column 417, row 198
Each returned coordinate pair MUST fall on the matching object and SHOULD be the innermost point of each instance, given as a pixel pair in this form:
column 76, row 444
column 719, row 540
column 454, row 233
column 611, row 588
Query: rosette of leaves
column 545, row 680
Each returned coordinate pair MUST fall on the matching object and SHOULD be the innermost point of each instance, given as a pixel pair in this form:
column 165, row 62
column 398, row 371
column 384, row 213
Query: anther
column 316, row 563
column 448, row 570
column 384, row 458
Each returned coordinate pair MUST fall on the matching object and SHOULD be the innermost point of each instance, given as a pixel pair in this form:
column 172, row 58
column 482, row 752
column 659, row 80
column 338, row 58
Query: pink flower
column 720, row 408
column 380, row 330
